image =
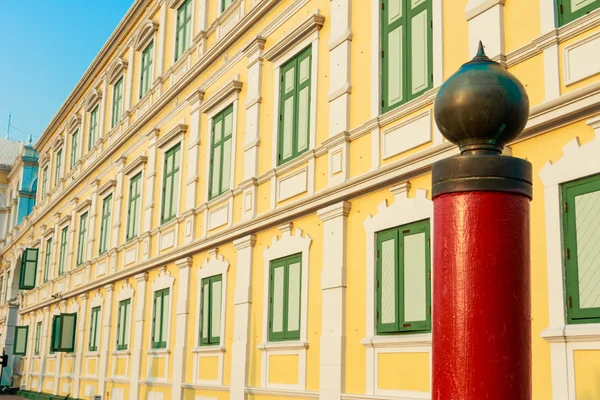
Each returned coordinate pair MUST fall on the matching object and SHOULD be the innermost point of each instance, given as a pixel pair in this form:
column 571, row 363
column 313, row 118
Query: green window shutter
column 74, row 144
column 205, row 313
column 55, row 334
column 294, row 107
column 29, row 261
column 221, row 152
column 81, row 240
column 210, row 309
column 105, row 224
column 170, row 182
column 58, row 166
column 407, row 51
column 570, row 10
column 183, row 28
column 122, row 325
column 94, row 321
column 225, row 4
column 146, row 70
column 581, row 219
column 134, row 206
column 63, row 250
column 117, row 102
column 67, row 329
column 93, row 128
column 20, row 343
column 403, row 279
column 284, row 298
column 160, row 315
column 38, row 336
column 47, row 258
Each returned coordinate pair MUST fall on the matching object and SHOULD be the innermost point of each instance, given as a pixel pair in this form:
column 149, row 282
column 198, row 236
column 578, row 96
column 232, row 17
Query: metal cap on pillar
column 481, row 249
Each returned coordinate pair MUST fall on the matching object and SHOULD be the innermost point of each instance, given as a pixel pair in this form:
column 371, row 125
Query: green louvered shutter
column 387, row 282
column 55, row 334
column 20, row 346
column 67, row 330
column 570, row 10
column 29, row 261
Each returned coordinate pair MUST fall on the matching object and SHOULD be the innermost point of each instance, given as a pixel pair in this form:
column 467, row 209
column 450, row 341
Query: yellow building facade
column 234, row 201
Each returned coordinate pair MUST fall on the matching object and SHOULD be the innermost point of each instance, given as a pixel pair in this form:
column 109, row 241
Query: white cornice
column 222, row 94
column 146, row 32
column 116, row 70
column 92, row 98
column 84, row 204
column 107, row 186
column 311, row 24
column 141, row 160
column 179, row 129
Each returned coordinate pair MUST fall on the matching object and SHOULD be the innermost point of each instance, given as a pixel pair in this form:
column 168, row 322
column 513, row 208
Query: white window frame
column 164, row 280
column 82, row 208
column 176, row 136
column 403, row 211
column 125, row 293
column 214, row 265
column 292, row 241
column 147, row 33
column 96, row 301
column 175, row 4
column 437, row 54
column 577, row 162
column 131, row 170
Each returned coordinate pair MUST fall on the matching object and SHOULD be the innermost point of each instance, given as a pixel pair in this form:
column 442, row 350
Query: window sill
column 121, row 353
column 284, row 345
column 400, row 340
column 226, row 195
column 92, row 354
column 70, row 355
column 209, row 349
column 572, row 333
column 159, row 351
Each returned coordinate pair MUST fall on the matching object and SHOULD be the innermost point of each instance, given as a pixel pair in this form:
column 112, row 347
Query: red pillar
column 481, row 315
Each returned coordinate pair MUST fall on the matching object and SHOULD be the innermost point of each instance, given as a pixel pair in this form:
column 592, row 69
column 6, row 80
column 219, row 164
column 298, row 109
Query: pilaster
column 116, row 236
column 486, row 23
column 162, row 37
column 138, row 334
column 91, row 233
column 148, row 198
column 240, row 351
column 193, row 161
column 104, row 340
column 129, row 88
column 44, row 346
column 182, row 310
column 59, row 355
column 333, row 285
column 80, row 342
column 103, row 105
column 71, row 235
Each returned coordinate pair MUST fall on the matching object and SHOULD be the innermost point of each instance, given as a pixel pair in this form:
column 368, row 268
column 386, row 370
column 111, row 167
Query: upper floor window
column 146, row 70
column 38, row 338
column 74, row 144
column 220, row 158
column 403, row 279
column 44, row 181
column 20, row 340
column 407, row 47
column 94, row 322
column 284, row 298
column 183, row 29
column 134, row 207
column 570, row 10
column 123, row 324
column 225, row 4
column 29, row 260
column 47, row 258
column 210, row 310
column 93, row 133
column 294, row 107
column 160, row 319
column 81, row 238
column 581, row 233
column 117, row 105
column 105, row 224
column 170, row 183
column 63, row 250
column 58, row 168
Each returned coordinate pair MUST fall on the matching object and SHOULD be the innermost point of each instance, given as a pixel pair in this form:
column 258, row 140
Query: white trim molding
column 577, row 162
column 291, row 242
column 403, row 211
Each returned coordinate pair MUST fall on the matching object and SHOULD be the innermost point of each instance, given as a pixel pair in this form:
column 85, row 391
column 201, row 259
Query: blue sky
column 45, row 47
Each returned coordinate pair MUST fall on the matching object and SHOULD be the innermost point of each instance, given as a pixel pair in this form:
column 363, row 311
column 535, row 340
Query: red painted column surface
column 481, row 297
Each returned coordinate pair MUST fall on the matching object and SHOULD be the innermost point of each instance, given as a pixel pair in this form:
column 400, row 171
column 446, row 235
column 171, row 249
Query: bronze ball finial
column 481, row 107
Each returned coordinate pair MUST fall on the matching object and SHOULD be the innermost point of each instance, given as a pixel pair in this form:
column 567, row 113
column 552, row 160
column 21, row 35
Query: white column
column 116, row 227
column 56, row 244
column 91, row 232
column 201, row 11
column 105, row 344
column 193, row 162
column 44, row 345
column 71, row 235
column 162, row 37
column 486, row 23
column 240, row 352
column 333, row 285
column 80, row 343
column 255, row 69
column 11, row 322
column 182, row 310
column 129, row 88
column 103, row 106
column 150, row 182
column 82, row 136
column 138, row 335
column 59, row 355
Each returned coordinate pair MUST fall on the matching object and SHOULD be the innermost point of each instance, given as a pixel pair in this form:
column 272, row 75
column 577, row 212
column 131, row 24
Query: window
column 210, row 311
column 117, row 102
column 38, row 338
column 146, row 72
column 81, row 238
column 57, row 171
column 160, row 319
column 407, row 47
column 20, row 347
column 45, row 182
column 183, row 30
column 294, row 107
column 29, row 261
column 170, row 182
column 225, row 4
column 74, row 139
column 105, row 224
column 93, row 128
column 220, row 158
column 94, row 321
column 123, row 324
column 570, row 10
column 63, row 250
column 581, row 219
column 64, row 327
column 403, row 279
column 47, row 258
column 133, row 210
column 284, row 298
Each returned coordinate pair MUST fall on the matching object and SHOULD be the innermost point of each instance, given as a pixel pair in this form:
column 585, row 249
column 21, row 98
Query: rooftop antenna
column 8, row 129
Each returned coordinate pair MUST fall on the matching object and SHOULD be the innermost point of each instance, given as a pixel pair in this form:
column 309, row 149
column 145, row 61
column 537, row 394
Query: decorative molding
column 138, row 162
column 473, row 11
column 106, row 187
column 116, row 70
column 145, row 34
column 92, row 99
column 234, row 86
column 167, row 138
column 311, row 24
column 83, row 205
column 73, row 123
